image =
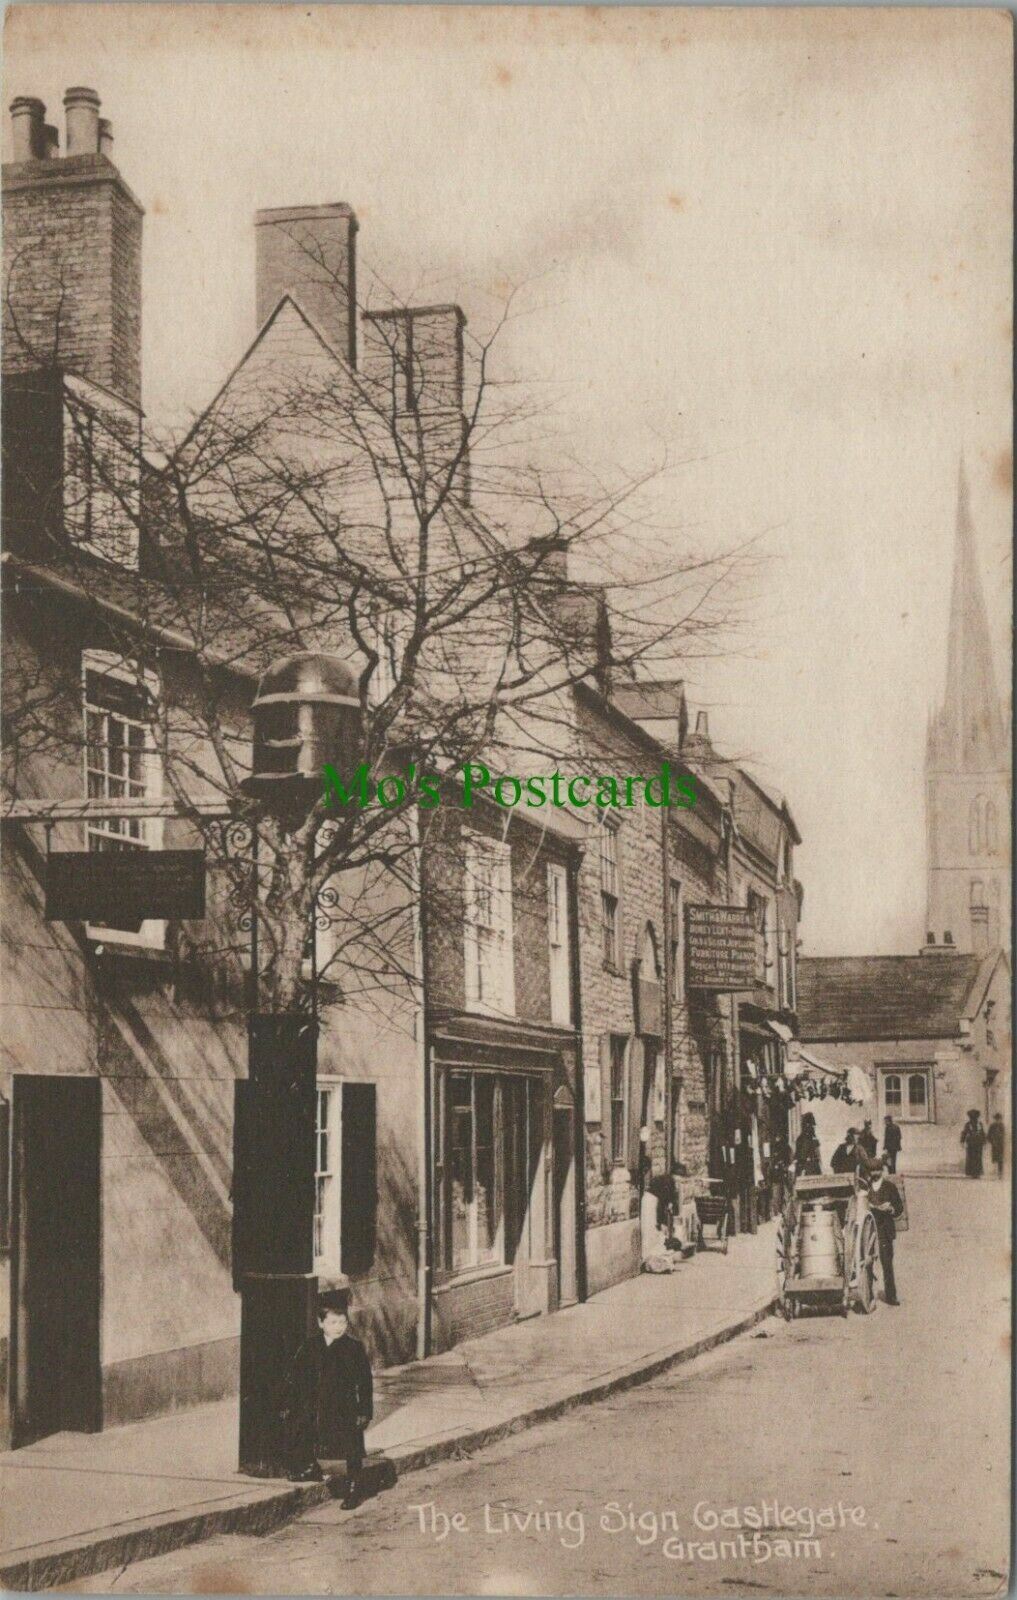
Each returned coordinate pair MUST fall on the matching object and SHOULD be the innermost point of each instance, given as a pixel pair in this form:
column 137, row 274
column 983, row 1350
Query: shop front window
column 473, row 1203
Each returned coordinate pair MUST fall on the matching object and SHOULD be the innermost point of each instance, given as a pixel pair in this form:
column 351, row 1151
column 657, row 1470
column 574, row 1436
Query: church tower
column 967, row 772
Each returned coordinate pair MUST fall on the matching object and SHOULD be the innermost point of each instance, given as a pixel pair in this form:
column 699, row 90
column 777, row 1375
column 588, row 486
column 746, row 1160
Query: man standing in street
column 867, row 1140
column 845, row 1157
column 886, row 1206
column 891, row 1142
column 996, row 1136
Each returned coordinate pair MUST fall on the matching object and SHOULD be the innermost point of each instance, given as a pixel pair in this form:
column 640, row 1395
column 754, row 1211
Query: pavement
column 854, row 1457
column 75, row 1504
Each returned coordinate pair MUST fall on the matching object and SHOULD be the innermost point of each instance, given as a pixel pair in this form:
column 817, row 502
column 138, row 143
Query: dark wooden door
column 56, row 1270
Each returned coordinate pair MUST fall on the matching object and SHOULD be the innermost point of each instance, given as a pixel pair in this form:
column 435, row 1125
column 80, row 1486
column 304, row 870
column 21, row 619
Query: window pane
column 916, row 1091
column 488, row 1207
column 892, row 1090
column 460, row 1168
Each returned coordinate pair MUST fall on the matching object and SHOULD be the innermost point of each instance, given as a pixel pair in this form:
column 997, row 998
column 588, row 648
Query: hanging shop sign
column 121, row 888
column 720, row 947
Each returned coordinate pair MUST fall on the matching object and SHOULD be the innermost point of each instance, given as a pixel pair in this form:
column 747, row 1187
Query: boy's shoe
column 309, row 1474
column 352, row 1498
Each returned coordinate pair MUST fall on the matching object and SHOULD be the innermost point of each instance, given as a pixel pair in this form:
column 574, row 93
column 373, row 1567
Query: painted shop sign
column 118, row 888
column 720, row 947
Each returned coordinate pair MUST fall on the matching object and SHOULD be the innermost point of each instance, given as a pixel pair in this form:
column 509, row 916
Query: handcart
column 827, row 1247
column 712, row 1212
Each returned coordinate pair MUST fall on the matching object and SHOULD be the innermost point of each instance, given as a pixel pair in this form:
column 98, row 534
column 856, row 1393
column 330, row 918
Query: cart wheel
column 865, row 1273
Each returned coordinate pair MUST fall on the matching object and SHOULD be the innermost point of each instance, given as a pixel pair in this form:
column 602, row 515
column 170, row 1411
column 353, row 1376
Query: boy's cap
column 333, row 1300
column 334, row 1293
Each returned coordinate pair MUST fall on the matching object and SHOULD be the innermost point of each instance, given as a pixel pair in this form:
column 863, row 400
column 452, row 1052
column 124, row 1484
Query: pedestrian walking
column 973, row 1139
column 331, row 1398
column 867, row 1140
column 996, row 1136
column 845, row 1157
column 807, row 1157
column 892, row 1141
column 886, row 1206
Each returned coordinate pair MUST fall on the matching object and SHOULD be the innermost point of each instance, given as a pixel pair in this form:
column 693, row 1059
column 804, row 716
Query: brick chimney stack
column 309, row 253
column 71, row 250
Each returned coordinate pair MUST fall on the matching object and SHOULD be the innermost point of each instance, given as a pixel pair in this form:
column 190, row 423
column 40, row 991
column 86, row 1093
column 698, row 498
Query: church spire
column 967, row 735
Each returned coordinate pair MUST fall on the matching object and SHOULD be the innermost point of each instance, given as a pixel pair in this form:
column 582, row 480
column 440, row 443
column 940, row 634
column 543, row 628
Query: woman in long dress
column 973, row 1139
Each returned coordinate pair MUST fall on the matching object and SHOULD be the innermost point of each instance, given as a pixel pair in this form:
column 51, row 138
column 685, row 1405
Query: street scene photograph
column 506, row 800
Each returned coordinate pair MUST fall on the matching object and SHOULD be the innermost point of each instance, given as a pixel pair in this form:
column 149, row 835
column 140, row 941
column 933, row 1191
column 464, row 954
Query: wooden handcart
column 712, row 1212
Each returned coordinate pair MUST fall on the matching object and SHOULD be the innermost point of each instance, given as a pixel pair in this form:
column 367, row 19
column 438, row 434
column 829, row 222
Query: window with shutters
column 490, row 979
column 120, row 703
column 345, row 1177
column 558, row 944
column 610, row 893
column 327, row 1210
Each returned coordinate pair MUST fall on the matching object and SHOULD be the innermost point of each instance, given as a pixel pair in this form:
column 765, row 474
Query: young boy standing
column 332, row 1398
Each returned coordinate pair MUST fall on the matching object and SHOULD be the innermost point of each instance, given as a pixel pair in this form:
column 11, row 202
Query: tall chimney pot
column 82, row 109
column 27, row 114
column 106, row 138
column 703, row 724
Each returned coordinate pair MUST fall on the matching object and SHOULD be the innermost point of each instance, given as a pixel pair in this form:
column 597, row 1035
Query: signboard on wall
column 118, row 888
column 720, row 947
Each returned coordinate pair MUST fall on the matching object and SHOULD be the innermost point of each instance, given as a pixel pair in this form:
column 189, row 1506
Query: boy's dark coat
column 331, row 1401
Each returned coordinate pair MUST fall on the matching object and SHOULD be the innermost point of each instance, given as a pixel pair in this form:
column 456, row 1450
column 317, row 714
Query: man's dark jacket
column 886, row 1206
column 331, row 1401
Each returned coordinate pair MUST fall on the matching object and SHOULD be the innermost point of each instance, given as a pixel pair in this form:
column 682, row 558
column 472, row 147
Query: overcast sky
column 778, row 240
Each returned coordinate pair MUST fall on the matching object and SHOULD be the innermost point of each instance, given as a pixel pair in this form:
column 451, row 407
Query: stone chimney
column 71, row 251
column 28, row 118
column 309, row 253
column 81, row 107
column 698, row 743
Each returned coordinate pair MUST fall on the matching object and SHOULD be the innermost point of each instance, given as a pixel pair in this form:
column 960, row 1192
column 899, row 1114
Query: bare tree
column 400, row 515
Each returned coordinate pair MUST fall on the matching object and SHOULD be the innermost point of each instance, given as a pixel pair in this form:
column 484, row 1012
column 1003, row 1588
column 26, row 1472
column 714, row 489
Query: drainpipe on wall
column 422, row 1034
column 579, row 1140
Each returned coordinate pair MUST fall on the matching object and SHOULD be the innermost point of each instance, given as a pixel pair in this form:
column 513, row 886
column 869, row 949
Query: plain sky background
column 777, row 240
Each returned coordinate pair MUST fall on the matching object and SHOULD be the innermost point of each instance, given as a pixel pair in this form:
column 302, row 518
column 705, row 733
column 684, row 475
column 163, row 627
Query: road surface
column 894, row 1427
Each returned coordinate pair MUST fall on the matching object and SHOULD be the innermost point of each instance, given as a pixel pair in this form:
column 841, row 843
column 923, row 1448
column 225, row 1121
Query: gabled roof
column 890, row 997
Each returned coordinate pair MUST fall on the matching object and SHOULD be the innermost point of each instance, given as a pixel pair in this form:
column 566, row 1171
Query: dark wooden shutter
column 637, row 1059
column 273, row 1151
column 607, row 1154
column 359, row 1176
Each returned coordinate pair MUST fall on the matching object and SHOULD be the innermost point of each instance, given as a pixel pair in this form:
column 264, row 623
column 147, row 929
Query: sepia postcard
column 506, row 800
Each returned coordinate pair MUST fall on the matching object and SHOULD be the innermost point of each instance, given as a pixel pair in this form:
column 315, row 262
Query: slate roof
column 886, row 997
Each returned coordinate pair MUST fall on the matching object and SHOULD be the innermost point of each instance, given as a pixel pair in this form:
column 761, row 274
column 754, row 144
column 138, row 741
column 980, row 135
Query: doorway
column 523, row 1102
column 55, row 1256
